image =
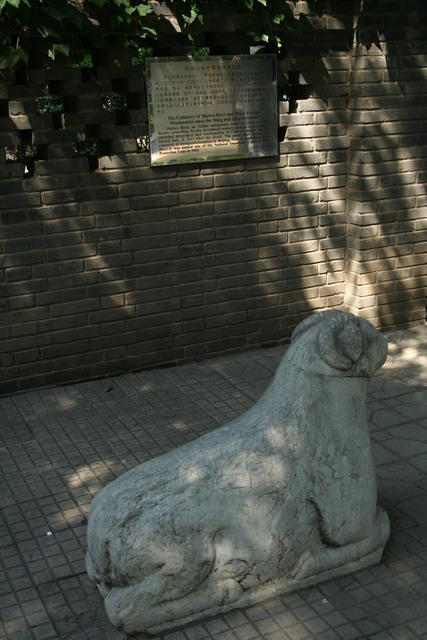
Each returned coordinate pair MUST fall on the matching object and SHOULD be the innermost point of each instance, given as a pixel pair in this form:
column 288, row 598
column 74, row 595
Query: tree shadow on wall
column 403, row 41
column 387, row 151
column 128, row 267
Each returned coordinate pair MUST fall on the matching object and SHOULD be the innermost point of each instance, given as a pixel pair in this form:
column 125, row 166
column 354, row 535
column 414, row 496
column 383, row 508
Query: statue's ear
column 341, row 344
column 351, row 341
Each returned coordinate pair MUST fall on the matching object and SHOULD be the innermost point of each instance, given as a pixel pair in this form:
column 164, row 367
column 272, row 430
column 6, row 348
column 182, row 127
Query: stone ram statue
column 278, row 499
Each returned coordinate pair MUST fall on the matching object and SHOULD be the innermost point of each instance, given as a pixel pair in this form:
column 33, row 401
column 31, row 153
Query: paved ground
column 59, row 446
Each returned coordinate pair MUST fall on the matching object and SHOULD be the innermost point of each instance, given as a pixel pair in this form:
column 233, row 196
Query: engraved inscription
column 219, row 108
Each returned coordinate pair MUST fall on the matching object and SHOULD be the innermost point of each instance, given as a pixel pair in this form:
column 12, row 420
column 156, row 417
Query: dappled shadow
column 386, row 182
column 60, row 446
column 126, row 267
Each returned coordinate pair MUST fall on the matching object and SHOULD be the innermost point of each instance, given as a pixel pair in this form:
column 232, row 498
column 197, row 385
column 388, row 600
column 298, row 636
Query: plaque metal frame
column 210, row 109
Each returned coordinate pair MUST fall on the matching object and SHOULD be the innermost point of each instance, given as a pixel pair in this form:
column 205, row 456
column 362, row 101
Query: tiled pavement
column 59, row 446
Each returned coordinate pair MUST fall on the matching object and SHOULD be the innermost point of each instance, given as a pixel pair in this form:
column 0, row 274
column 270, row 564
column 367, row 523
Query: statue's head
column 337, row 343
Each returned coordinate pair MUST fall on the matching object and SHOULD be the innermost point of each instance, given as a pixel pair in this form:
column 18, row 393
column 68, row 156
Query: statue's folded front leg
column 331, row 561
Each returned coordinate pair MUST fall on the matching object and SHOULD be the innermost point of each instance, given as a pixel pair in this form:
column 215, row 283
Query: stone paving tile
column 60, row 446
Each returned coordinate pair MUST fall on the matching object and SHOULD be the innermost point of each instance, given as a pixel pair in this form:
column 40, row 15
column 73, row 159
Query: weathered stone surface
column 280, row 498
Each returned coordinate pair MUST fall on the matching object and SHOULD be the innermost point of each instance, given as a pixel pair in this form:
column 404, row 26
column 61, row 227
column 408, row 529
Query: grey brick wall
column 386, row 246
column 126, row 267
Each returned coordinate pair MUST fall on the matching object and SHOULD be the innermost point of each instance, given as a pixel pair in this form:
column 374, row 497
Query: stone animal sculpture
column 278, row 499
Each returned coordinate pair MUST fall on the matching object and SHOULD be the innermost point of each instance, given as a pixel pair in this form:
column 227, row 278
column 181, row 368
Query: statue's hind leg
column 140, row 607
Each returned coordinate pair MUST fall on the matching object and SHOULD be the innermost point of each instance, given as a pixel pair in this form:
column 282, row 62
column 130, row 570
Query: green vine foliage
column 21, row 153
column 114, row 102
column 86, row 148
column 49, row 104
column 143, row 144
column 139, row 57
column 73, row 28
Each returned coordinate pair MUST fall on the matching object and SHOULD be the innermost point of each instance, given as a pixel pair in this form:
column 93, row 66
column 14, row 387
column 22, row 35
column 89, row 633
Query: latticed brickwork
column 109, row 265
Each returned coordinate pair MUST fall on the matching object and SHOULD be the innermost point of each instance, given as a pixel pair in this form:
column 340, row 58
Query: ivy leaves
column 14, row 3
column 250, row 3
column 72, row 28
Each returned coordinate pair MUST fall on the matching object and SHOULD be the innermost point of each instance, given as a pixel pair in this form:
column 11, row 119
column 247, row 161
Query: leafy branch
column 49, row 103
column 73, row 28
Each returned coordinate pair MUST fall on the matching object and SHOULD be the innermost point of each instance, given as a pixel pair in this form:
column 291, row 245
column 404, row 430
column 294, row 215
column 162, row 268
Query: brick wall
column 109, row 265
column 387, row 179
